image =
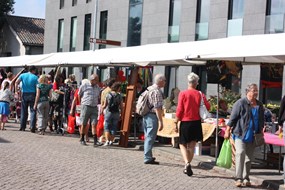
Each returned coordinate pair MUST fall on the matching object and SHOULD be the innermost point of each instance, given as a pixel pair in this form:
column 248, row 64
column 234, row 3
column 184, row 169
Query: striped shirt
column 155, row 98
column 89, row 94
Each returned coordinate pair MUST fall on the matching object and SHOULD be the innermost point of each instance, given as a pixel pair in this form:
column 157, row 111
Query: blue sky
column 30, row 8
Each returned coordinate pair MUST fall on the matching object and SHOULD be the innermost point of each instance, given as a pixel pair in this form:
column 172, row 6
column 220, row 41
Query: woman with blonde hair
column 190, row 130
column 42, row 103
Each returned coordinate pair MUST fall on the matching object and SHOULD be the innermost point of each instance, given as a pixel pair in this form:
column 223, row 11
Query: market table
column 169, row 129
column 274, row 140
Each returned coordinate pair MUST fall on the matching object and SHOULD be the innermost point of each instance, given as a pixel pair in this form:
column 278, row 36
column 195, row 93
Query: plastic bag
column 100, row 126
column 225, row 158
column 71, row 124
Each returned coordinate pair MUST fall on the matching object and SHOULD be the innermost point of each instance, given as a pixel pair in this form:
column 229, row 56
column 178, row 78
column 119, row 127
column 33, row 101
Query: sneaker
column 246, row 183
column 83, row 142
column 98, row 144
column 110, row 143
column 238, row 183
column 153, row 162
column 107, row 143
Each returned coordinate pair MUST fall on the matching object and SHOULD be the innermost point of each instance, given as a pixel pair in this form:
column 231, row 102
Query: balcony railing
column 173, row 34
column 274, row 24
column 235, row 27
column 202, row 31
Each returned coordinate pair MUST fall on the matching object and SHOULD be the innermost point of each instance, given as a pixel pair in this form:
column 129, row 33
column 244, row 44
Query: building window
column 174, row 20
column 87, row 31
column 236, row 9
column 202, row 19
column 60, row 35
column 61, row 4
column 73, row 29
column 74, row 2
column 135, row 22
column 88, row 1
column 235, row 17
column 28, row 50
column 103, row 27
column 275, row 12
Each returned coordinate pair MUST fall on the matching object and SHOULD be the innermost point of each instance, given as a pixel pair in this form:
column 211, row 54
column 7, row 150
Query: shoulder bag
column 204, row 114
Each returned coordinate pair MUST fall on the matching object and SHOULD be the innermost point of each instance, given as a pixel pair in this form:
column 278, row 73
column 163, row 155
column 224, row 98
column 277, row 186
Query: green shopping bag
column 225, row 157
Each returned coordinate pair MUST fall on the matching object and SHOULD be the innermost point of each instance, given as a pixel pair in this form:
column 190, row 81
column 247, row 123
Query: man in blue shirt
column 29, row 82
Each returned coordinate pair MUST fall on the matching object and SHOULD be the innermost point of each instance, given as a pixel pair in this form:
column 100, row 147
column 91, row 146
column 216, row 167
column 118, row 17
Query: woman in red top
column 190, row 130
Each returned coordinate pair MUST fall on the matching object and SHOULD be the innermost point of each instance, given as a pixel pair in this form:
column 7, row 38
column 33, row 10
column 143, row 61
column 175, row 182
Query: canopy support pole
column 217, row 125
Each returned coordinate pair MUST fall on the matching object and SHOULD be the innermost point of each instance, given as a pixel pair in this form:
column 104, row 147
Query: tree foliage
column 6, row 7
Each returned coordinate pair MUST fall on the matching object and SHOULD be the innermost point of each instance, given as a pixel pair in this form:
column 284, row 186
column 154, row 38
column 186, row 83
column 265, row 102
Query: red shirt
column 189, row 104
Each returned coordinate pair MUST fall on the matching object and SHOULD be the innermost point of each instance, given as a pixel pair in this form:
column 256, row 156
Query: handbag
column 225, row 157
column 204, row 114
column 54, row 97
column 259, row 139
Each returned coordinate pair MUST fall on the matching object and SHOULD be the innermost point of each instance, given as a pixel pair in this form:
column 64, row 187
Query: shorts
column 88, row 112
column 111, row 121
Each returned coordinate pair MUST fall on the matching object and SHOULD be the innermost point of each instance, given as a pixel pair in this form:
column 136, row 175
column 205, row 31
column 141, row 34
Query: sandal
column 188, row 169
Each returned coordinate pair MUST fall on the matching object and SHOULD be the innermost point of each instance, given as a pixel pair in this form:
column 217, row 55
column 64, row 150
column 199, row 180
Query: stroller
column 15, row 108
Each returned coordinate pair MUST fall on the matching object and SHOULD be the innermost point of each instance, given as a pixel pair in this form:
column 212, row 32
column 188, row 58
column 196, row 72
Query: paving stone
column 30, row 161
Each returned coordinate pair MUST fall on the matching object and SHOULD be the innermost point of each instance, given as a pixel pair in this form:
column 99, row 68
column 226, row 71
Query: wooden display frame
column 128, row 111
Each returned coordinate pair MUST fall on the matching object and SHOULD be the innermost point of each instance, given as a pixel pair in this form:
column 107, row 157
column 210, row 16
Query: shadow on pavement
column 4, row 141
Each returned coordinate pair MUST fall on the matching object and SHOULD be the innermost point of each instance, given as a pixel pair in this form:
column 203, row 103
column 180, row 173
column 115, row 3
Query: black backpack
column 114, row 103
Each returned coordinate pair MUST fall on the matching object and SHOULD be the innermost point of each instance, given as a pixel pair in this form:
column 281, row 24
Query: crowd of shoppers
column 87, row 100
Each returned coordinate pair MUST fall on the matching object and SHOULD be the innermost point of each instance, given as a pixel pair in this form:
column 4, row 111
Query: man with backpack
column 152, row 120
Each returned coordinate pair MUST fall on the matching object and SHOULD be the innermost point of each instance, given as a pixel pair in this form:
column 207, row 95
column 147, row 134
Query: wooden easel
column 129, row 104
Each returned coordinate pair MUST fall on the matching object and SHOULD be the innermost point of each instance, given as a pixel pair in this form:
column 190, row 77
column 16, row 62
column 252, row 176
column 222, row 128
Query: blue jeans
column 150, row 124
column 111, row 122
column 28, row 99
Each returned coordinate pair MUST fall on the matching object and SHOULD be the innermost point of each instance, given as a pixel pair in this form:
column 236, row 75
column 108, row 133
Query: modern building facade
column 70, row 24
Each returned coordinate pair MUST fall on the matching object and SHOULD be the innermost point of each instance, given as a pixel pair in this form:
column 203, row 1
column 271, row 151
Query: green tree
column 6, row 7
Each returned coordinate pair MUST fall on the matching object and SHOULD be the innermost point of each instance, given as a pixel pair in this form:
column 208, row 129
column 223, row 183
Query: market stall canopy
column 20, row 61
column 265, row 48
column 151, row 54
